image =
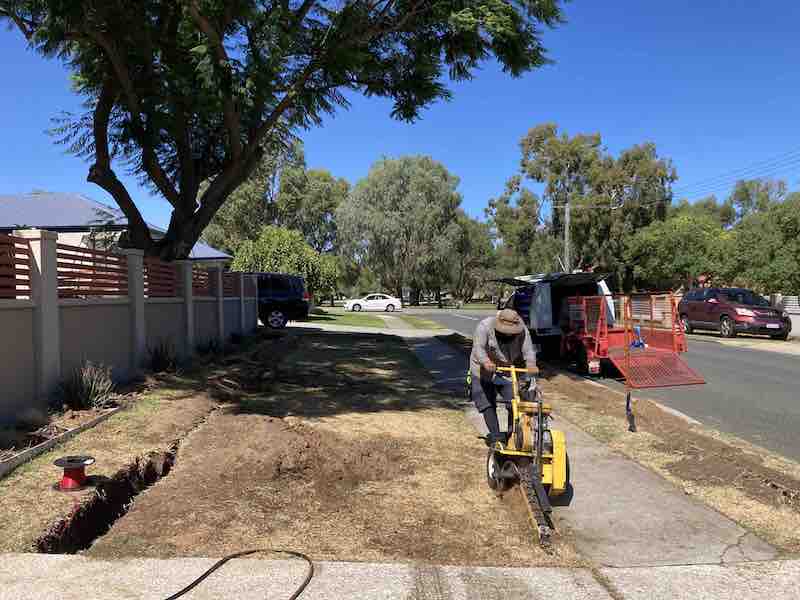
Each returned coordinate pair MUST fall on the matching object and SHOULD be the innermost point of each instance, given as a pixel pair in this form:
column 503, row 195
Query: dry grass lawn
column 342, row 451
column 152, row 421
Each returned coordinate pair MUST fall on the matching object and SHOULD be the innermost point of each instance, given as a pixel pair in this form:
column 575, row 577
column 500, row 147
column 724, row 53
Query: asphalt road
column 752, row 394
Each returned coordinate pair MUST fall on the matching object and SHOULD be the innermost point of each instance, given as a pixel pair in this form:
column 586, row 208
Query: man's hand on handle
column 489, row 366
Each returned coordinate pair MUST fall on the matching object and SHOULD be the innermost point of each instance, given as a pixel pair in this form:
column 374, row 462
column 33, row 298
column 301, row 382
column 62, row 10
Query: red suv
column 731, row 311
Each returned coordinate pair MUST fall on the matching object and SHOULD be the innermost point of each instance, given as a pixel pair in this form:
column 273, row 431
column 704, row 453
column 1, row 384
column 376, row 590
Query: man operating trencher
column 500, row 341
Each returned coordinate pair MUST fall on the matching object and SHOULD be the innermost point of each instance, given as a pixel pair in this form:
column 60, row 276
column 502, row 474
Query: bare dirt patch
column 28, row 504
column 757, row 488
column 342, row 451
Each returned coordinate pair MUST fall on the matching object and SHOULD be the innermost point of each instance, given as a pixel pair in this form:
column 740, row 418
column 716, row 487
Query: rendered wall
column 96, row 332
column 205, row 321
column 232, row 317
column 251, row 316
column 17, row 366
column 165, row 322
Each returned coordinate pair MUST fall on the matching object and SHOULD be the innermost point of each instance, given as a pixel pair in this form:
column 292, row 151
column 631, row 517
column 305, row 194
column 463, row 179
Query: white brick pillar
column 185, row 268
column 242, row 306
column 136, row 298
column 46, row 321
column 219, row 293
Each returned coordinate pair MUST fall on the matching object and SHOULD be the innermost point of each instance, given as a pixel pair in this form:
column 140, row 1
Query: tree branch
column 149, row 158
column 229, row 112
column 101, row 174
column 25, row 27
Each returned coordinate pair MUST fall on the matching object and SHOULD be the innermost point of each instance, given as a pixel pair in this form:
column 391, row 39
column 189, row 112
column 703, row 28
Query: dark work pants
column 484, row 395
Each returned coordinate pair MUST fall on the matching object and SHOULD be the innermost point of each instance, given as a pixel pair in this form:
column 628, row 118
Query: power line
column 724, row 184
column 742, row 171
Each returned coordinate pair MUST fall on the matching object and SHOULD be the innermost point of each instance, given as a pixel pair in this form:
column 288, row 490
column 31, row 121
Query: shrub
column 162, row 357
column 88, row 386
column 209, row 347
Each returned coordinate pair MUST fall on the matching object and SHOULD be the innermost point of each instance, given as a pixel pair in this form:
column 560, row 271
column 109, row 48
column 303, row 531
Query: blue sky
column 714, row 84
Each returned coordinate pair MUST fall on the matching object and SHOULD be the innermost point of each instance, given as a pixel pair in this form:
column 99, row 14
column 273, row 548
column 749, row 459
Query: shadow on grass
column 319, row 374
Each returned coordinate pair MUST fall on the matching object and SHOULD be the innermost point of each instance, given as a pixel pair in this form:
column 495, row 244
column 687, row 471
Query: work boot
column 492, row 438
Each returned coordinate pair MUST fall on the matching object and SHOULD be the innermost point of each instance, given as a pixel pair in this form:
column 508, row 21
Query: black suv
column 281, row 297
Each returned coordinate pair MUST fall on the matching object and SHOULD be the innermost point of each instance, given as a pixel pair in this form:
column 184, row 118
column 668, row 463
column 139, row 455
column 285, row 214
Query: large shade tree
column 186, row 91
column 610, row 198
column 399, row 222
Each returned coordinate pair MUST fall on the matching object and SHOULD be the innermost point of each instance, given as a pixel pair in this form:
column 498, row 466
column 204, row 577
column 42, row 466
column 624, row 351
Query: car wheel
column 276, row 319
column 781, row 336
column 687, row 326
column 390, row 308
column 356, row 308
column 727, row 328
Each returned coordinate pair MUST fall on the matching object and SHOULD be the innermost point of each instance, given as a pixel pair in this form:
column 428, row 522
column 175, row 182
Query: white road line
column 466, row 317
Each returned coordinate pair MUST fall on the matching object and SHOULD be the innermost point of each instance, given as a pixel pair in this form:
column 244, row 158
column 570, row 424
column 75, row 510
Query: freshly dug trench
column 112, row 498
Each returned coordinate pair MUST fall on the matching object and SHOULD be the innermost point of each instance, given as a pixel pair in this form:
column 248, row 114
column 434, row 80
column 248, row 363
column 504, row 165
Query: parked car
column 374, row 302
column 731, row 311
column 281, row 298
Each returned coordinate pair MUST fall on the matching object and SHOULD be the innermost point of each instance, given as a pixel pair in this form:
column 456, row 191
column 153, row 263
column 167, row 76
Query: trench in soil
column 113, row 498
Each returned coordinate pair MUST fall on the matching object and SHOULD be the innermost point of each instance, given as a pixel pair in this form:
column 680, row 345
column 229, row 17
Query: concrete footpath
column 38, row 576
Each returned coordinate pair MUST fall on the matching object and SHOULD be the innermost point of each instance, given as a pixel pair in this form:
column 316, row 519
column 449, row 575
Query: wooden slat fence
column 15, row 268
column 161, row 279
column 201, row 282
column 84, row 273
column 249, row 287
column 230, row 285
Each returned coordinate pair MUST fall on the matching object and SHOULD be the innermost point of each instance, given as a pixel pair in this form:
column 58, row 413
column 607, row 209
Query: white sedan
column 374, row 302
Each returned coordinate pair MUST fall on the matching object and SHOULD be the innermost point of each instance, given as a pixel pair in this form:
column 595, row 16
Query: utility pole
column 567, row 264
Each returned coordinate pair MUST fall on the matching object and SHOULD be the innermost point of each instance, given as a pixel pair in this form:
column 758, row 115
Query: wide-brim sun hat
column 508, row 322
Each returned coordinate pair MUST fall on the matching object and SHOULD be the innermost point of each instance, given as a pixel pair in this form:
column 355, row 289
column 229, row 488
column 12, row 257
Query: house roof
column 58, row 211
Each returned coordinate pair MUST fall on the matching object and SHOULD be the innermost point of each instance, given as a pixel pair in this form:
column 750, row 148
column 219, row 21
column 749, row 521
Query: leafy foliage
column 760, row 251
column 471, row 257
column 610, row 200
column 162, row 357
column 281, row 250
column 527, row 243
column 724, row 213
column 670, row 253
column 400, row 220
column 88, row 386
column 307, row 202
column 764, row 253
column 249, row 208
column 756, row 196
column 191, row 91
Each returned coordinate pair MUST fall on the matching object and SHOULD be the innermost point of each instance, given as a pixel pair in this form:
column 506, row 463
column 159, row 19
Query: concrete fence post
column 219, row 293
column 46, row 321
column 185, row 267
column 242, row 306
column 255, row 294
column 136, row 298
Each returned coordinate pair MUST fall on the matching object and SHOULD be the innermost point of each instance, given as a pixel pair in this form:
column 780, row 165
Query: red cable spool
column 74, row 477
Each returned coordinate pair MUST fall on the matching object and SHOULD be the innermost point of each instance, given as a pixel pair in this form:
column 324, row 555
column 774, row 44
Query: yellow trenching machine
column 533, row 455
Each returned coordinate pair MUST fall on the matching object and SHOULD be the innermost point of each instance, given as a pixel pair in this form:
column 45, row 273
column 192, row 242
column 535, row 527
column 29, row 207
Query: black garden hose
column 222, row 561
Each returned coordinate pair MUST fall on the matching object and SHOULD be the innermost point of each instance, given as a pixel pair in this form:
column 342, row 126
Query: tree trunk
column 415, row 293
column 439, row 298
column 332, row 304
